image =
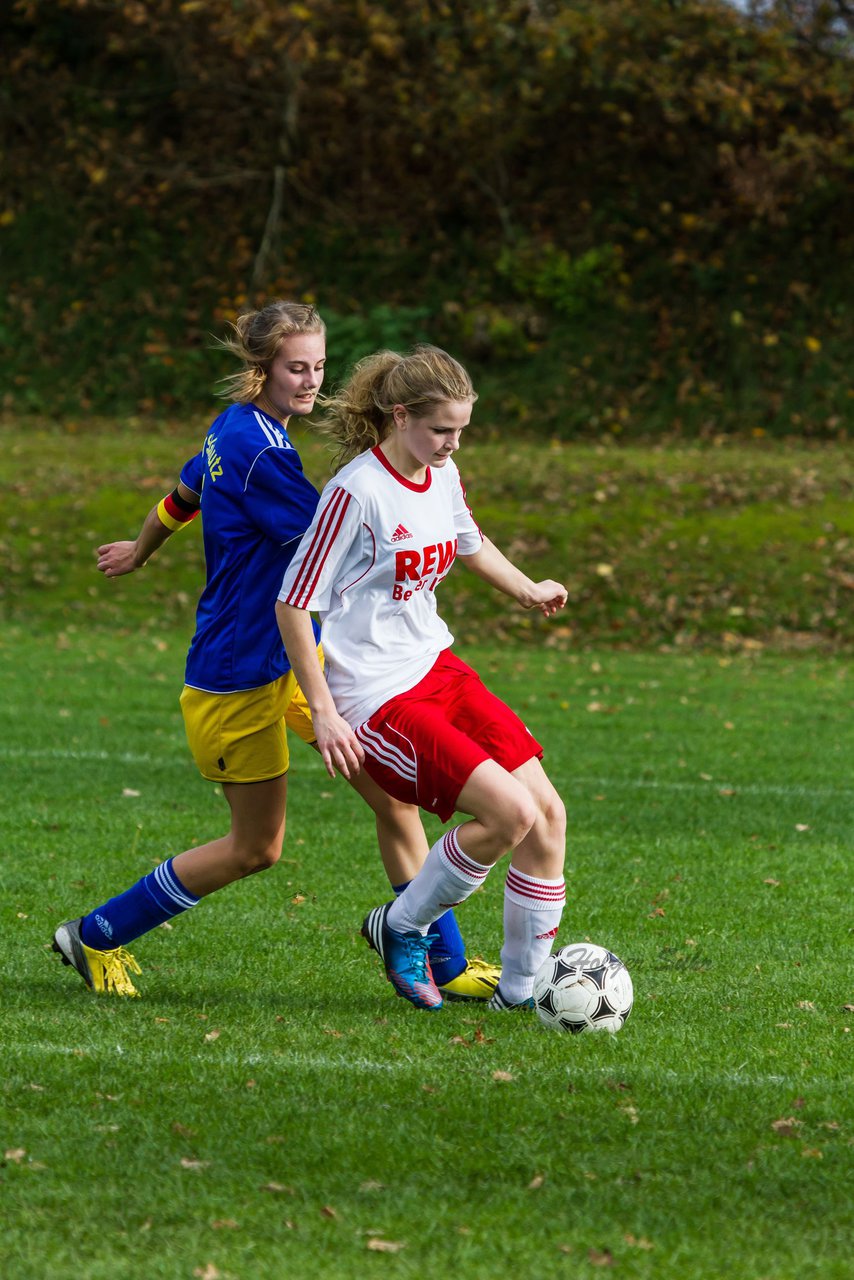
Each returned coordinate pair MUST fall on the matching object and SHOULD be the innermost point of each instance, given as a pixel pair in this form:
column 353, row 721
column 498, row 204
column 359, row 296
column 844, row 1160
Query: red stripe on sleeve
column 318, row 549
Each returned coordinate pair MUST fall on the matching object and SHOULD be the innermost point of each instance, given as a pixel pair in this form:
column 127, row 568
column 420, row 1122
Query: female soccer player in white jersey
column 396, row 699
column 239, row 693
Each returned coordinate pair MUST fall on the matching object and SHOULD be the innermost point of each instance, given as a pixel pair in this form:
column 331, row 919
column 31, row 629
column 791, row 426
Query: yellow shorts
column 241, row 737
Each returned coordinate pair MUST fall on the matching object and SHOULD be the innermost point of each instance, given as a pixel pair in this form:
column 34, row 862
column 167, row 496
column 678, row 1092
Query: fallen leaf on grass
column 639, row 1242
column 328, row 1212
column 385, row 1246
column 212, row 1035
column 812, row 1153
column 806, row 1004
column 600, row 1257
column 187, row 1163
column 787, row 1127
column 219, row 1223
column 277, row 1188
column 536, row 1182
column 775, row 884
column 503, row 1077
column 207, row 1273
column 15, row 1154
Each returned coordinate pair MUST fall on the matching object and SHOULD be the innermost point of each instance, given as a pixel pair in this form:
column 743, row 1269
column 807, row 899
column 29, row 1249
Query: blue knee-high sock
column 153, row 899
column 447, row 950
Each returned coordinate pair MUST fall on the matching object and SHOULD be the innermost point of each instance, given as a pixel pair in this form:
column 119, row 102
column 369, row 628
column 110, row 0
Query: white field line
column 709, row 786
column 738, row 1079
column 713, row 785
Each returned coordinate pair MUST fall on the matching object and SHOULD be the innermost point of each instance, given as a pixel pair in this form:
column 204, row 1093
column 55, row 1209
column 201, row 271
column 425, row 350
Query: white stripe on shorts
column 386, row 753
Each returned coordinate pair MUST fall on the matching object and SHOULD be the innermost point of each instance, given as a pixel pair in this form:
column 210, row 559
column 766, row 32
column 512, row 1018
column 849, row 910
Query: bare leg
column 541, row 852
column 400, row 834
column 503, row 812
column 253, row 843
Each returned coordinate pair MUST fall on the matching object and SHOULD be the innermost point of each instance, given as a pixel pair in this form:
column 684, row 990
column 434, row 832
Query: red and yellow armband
column 176, row 512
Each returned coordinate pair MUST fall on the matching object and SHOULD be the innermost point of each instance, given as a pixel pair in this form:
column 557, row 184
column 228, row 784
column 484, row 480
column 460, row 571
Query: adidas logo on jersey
column 400, row 533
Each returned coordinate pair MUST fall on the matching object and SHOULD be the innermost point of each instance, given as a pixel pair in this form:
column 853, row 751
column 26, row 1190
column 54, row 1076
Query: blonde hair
column 255, row 339
column 359, row 415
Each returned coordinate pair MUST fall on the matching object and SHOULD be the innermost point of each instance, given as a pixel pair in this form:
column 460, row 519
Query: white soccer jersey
column 369, row 564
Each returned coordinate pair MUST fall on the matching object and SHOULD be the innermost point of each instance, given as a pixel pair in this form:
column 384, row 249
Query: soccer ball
column 583, row 988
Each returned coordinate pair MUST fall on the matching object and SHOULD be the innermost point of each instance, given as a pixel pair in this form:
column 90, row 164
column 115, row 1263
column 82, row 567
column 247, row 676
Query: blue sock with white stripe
column 156, row 897
column 447, row 950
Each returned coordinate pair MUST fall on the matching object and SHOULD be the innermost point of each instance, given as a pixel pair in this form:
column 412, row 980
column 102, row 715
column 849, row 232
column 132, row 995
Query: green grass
column 722, row 545
column 269, row 1109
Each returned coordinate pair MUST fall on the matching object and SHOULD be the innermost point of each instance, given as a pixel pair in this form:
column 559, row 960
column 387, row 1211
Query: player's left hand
column 547, row 596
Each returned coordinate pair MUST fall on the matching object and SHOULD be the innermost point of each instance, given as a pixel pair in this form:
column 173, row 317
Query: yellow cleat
column 477, row 981
column 100, row 970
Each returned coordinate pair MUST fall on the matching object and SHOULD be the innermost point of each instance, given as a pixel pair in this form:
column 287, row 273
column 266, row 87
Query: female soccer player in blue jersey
column 239, row 692
column 386, row 532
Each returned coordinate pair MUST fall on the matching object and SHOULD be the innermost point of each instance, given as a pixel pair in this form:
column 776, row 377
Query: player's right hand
column 339, row 747
column 116, row 558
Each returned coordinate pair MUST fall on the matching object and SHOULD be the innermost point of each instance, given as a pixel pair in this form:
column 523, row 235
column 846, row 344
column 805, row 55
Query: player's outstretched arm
column 493, row 566
column 171, row 513
column 335, row 740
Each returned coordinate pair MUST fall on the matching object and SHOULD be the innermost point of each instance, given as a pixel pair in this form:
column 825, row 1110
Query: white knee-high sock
column 532, row 912
column 447, row 878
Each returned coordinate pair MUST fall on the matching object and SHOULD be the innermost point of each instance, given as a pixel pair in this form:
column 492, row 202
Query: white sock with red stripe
column 532, row 912
column 447, row 878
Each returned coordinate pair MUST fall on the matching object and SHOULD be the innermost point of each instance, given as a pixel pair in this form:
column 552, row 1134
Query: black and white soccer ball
column 583, row 987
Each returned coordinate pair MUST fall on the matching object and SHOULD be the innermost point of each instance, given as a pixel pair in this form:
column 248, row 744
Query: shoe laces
column 417, row 946
column 116, row 964
column 478, row 966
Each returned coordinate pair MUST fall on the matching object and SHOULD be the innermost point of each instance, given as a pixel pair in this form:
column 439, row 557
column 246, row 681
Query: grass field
column 269, row 1109
column 726, row 544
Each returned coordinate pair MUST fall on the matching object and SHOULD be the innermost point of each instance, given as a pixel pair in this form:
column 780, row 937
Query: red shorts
column 422, row 746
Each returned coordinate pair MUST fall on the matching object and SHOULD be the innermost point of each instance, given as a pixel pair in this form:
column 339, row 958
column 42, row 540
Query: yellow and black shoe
column 100, row 970
column 478, row 981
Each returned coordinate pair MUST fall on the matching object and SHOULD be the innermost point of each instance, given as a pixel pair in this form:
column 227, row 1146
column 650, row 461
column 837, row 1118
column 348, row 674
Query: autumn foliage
column 659, row 186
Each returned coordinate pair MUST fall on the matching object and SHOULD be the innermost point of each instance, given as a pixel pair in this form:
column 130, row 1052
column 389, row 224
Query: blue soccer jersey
column 256, row 504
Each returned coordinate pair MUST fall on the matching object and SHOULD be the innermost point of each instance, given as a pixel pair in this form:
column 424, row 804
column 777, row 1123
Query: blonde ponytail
column 359, row 415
